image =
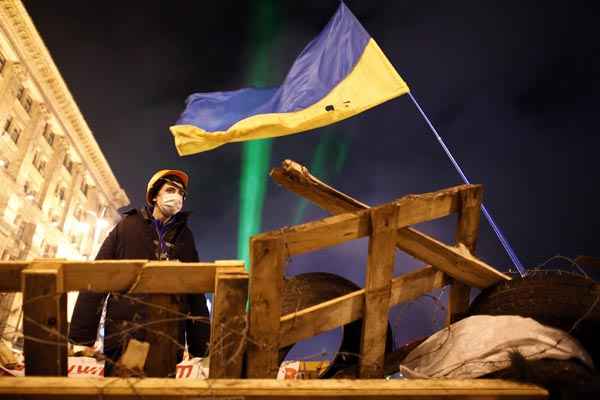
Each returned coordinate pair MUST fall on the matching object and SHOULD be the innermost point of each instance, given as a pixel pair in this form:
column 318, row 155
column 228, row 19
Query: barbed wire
column 226, row 330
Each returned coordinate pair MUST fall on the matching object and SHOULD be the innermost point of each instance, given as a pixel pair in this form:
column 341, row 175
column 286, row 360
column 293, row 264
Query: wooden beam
column 413, row 285
column 380, row 267
column 323, row 233
column 229, row 325
column 337, row 229
column 141, row 276
column 265, row 287
column 331, row 389
column 467, row 231
column 342, row 310
column 44, row 321
column 10, row 275
column 296, row 178
column 101, row 276
column 455, row 261
column 164, row 315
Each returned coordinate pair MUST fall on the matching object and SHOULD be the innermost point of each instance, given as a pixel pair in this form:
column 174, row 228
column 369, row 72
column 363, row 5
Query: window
column 49, row 135
column 15, row 134
column 20, row 93
column 27, row 103
column 68, row 163
column 21, row 231
column 84, row 188
column 7, row 124
column 39, row 163
column 2, row 62
column 60, row 192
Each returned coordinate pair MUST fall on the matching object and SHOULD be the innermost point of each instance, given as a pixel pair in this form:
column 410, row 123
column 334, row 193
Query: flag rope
column 503, row 240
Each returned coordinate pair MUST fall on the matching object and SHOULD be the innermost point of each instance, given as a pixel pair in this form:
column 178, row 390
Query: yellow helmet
column 161, row 174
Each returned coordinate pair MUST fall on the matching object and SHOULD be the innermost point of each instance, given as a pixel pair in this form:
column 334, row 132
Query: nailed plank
column 467, row 231
column 380, row 266
column 323, row 233
column 320, row 318
column 44, row 321
column 296, row 178
column 92, row 388
column 455, row 261
column 265, row 286
column 342, row 310
column 161, row 330
column 228, row 325
column 413, row 285
column 10, row 275
column 140, row 276
column 102, row 275
column 337, row 229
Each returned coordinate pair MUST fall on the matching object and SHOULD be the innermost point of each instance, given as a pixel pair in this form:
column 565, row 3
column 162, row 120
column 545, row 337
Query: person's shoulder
column 134, row 215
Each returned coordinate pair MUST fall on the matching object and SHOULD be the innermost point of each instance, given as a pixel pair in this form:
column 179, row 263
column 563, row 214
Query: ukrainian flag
column 341, row 73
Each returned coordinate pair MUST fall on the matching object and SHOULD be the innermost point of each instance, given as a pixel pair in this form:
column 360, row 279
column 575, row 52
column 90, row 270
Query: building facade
column 58, row 195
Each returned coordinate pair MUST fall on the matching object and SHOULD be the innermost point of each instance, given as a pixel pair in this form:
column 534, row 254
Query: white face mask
column 169, row 203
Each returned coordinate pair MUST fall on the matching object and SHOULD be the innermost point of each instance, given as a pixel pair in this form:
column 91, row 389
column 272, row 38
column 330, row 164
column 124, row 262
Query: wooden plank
column 44, row 321
column 101, row 276
column 413, row 285
column 331, row 389
column 266, row 283
column 320, row 318
column 228, row 325
column 467, row 231
column 175, row 277
column 455, row 261
column 380, row 267
column 323, row 233
column 337, row 229
column 10, row 275
column 296, row 178
column 161, row 330
column 140, row 276
column 342, row 310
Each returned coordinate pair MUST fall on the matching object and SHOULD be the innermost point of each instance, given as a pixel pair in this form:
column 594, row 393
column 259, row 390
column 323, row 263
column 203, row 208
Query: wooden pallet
column 388, row 228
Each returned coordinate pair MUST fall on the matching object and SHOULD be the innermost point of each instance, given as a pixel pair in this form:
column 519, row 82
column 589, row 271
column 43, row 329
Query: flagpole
column 503, row 240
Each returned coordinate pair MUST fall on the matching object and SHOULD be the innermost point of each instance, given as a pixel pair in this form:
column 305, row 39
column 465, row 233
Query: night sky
column 511, row 86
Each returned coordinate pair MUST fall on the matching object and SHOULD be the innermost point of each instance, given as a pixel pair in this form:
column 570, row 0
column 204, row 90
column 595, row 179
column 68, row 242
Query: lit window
column 7, row 124
column 20, row 93
column 15, row 134
column 49, row 135
column 2, row 62
column 84, row 187
column 27, row 103
column 68, row 163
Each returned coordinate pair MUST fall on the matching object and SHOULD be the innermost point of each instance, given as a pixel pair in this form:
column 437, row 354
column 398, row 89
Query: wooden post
column 229, row 326
column 162, row 336
column 467, row 232
column 266, row 283
column 380, row 267
column 44, row 320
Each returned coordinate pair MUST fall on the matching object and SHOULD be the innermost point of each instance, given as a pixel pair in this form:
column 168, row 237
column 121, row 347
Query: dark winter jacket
column 137, row 237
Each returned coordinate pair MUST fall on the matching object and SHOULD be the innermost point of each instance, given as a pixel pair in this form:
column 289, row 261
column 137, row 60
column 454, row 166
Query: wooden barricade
column 388, row 228
column 45, row 284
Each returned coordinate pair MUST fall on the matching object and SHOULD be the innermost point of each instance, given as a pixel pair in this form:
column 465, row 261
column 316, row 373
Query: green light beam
column 256, row 154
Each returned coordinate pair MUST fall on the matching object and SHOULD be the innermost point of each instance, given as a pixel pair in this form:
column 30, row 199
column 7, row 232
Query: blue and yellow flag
column 341, row 73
